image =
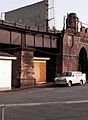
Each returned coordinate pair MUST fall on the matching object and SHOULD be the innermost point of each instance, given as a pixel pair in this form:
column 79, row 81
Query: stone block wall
column 27, row 68
column 23, row 68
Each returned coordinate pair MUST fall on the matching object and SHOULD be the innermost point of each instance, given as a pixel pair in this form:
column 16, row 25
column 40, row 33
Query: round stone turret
column 72, row 21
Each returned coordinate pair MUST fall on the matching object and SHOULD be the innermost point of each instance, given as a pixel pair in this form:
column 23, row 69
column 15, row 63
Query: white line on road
column 72, row 102
column 43, row 103
column 66, row 102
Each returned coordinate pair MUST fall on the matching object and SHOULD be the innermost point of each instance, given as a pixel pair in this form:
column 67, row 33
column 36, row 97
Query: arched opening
column 83, row 62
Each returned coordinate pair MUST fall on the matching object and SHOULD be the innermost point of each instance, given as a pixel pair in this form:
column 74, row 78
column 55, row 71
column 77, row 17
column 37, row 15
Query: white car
column 71, row 77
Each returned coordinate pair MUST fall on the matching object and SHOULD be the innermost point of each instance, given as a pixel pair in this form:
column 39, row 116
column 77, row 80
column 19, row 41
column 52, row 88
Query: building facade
column 6, row 71
column 32, row 15
column 75, row 46
column 42, row 54
column 35, row 50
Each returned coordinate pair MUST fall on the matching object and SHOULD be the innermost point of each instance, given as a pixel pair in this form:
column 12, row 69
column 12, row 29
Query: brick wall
column 27, row 68
column 23, row 68
column 33, row 15
column 72, row 47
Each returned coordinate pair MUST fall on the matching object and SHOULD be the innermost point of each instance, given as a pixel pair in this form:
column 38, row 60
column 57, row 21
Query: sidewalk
column 50, row 84
column 43, row 85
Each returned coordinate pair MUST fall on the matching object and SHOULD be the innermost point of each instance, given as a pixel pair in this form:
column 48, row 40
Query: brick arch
column 83, row 51
column 80, row 48
column 83, row 61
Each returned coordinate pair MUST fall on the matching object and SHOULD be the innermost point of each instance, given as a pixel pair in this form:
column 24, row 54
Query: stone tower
column 72, row 21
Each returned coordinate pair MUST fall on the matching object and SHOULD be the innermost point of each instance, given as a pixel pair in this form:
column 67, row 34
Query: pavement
column 50, row 84
column 46, row 102
column 43, row 85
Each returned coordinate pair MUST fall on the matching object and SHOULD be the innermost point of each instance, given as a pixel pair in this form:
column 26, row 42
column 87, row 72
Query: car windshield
column 67, row 74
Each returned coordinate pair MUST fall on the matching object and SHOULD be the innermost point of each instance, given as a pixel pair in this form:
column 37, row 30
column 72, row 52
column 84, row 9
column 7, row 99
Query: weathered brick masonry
column 67, row 50
column 27, row 67
column 25, row 43
column 75, row 46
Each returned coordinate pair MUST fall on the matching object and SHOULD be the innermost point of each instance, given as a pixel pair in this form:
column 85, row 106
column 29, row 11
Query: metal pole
column 2, row 112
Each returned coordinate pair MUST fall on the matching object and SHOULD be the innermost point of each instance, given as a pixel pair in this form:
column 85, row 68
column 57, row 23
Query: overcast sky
column 61, row 8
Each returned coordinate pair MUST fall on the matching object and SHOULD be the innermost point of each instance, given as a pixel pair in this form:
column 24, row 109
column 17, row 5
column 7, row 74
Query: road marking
column 43, row 103
column 78, row 101
column 67, row 102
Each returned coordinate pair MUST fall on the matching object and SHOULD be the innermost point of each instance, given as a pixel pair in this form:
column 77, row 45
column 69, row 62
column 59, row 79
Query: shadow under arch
column 83, row 61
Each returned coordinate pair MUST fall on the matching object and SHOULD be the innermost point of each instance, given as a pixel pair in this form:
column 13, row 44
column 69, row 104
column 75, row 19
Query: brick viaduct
column 67, row 49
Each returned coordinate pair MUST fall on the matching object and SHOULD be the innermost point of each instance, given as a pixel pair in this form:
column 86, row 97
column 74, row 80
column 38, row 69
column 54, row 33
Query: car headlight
column 55, row 79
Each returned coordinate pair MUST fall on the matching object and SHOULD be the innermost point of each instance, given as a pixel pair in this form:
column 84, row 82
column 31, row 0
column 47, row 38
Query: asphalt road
column 46, row 103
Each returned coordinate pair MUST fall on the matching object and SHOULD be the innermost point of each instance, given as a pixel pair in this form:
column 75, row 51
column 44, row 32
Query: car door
column 74, row 78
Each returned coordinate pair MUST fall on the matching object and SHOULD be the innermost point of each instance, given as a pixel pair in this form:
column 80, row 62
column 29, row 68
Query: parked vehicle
column 71, row 77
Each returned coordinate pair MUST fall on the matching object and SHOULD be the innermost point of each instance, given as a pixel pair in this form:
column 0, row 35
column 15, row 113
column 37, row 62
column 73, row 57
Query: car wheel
column 69, row 84
column 81, row 82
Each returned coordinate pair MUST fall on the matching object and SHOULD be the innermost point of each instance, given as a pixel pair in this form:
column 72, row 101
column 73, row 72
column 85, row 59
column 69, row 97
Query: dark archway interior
column 83, row 62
